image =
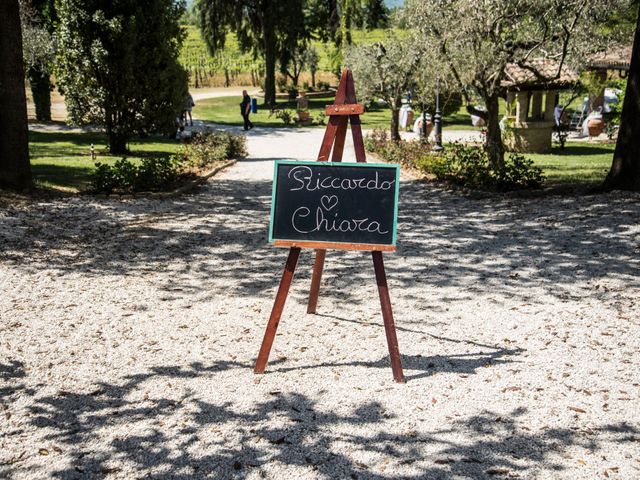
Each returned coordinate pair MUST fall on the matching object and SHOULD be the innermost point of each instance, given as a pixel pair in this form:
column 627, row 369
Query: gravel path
column 129, row 329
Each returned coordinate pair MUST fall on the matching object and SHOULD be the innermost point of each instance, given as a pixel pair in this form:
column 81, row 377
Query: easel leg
column 387, row 315
column 318, row 265
column 276, row 311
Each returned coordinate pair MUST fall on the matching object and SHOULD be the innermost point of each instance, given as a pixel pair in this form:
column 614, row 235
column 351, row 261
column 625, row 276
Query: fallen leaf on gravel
column 237, row 465
column 497, row 471
column 275, row 392
column 43, row 451
column 110, row 469
column 577, row 409
column 443, row 461
column 511, row 389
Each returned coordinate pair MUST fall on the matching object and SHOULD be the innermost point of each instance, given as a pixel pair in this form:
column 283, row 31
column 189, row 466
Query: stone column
column 522, row 107
column 536, row 105
column 598, row 101
column 550, row 105
column 511, row 97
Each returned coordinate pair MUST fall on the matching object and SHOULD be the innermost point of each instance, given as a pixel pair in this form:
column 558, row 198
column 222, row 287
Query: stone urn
column 417, row 126
column 304, row 117
column 595, row 125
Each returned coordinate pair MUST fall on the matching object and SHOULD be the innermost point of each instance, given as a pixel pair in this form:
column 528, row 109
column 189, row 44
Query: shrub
column 285, row 115
column 470, row 166
column 323, row 86
column 156, row 174
column 460, row 164
column 402, row 152
column 320, row 118
column 151, row 175
column 210, row 147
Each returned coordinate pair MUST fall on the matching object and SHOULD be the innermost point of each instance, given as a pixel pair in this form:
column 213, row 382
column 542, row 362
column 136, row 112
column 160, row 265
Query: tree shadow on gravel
column 218, row 238
column 422, row 366
column 191, row 438
column 11, row 376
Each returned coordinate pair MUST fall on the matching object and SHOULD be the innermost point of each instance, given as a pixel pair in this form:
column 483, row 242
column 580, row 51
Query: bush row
column 200, row 152
column 463, row 165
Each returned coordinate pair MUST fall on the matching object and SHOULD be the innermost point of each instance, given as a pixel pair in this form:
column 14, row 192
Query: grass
column 578, row 163
column 62, row 160
column 226, row 111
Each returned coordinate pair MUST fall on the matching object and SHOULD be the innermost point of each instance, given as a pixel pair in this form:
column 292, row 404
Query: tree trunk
column 117, row 142
column 270, row 67
column 41, row 92
column 625, row 168
column 313, row 78
column 494, row 145
column 15, row 170
column 395, row 123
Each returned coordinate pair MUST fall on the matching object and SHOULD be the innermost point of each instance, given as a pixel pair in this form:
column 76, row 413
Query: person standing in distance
column 245, row 110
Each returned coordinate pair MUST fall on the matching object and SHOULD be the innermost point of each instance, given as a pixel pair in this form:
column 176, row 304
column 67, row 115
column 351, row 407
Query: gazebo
column 531, row 100
column 616, row 59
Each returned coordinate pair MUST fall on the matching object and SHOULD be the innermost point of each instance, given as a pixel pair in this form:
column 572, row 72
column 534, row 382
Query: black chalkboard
column 348, row 203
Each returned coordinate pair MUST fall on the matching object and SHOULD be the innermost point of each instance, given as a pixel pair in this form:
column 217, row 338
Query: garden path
column 129, row 328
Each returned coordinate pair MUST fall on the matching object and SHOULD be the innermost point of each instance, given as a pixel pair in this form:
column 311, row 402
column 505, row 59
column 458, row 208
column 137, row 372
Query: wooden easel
column 343, row 111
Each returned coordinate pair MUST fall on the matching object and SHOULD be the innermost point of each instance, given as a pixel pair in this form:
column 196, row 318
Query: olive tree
column 386, row 70
column 478, row 40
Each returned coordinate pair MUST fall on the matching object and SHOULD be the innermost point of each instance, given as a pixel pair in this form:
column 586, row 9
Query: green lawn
column 226, row 111
column 579, row 162
column 62, row 160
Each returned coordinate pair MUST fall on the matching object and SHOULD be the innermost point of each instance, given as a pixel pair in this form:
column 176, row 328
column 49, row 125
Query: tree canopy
column 270, row 28
column 477, row 41
column 118, row 67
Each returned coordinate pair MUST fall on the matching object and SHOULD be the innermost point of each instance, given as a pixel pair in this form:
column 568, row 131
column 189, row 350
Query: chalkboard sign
column 335, row 205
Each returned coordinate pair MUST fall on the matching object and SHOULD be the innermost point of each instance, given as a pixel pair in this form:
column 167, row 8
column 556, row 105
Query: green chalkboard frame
column 337, row 164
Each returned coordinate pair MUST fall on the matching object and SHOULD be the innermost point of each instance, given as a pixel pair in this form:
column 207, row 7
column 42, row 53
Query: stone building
column 531, row 99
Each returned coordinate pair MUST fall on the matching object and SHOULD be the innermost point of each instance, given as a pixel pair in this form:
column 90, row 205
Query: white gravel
column 129, row 329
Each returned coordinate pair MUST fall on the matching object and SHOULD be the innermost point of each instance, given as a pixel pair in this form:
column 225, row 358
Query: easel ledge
column 368, row 247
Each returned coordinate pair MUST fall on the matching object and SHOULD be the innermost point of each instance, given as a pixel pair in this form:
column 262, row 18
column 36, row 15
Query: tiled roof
column 615, row 58
column 541, row 74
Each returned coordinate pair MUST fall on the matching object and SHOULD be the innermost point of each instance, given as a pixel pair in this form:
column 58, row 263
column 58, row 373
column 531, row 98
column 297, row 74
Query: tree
column 292, row 63
column 477, row 41
column 311, row 60
column 117, row 65
column 39, row 20
column 386, row 70
column 375, row 14
column 625, row 168
column 271, row 28
column 15, row 170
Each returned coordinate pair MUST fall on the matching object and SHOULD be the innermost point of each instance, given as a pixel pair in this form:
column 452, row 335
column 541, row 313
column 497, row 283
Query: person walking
column 188, row 106
column 245, row 110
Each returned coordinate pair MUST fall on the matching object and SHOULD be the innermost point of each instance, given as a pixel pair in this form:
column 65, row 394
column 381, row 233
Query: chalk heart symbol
column 329, row 201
